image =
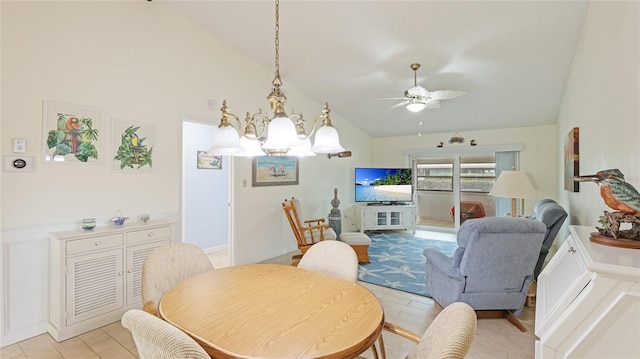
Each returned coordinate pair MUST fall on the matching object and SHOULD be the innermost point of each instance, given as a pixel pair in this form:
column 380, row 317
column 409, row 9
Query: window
column 474, row 176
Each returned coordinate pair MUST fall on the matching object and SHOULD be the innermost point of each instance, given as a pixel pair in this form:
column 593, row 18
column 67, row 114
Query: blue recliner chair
column 552, row 215
column 491, row 269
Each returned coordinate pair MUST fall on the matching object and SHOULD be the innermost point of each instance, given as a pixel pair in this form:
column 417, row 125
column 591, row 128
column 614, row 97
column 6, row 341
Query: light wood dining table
column 274, row 311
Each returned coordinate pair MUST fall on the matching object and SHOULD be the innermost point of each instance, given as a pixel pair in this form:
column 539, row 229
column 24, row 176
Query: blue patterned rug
column 397, row 261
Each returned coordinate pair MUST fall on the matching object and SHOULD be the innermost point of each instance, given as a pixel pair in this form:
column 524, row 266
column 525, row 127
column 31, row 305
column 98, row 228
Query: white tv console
column 377, row 217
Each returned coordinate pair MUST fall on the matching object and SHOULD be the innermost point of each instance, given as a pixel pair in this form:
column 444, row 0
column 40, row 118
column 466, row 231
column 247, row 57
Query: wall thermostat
column 19, row 145
column 18, row 163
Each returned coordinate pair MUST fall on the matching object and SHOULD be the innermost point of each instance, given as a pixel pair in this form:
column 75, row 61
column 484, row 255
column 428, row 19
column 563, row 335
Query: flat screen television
column 383, row 185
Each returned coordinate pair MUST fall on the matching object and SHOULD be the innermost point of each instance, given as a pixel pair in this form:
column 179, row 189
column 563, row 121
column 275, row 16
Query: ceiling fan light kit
column 281, row 135
column 415, row 105
column 417, row 98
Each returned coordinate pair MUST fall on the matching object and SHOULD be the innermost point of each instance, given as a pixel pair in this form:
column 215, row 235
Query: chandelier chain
column 276, row 81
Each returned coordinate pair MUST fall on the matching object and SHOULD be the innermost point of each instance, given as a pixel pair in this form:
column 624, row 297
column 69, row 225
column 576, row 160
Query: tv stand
column 385, row 216
column 386, row 204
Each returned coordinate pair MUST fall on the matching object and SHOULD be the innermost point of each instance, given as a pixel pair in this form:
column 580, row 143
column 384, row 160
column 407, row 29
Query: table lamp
column 513, row 184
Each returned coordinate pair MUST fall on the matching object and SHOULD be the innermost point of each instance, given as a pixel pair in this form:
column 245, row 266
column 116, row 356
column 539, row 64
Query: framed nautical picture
column 275, row 171
column 207, row 161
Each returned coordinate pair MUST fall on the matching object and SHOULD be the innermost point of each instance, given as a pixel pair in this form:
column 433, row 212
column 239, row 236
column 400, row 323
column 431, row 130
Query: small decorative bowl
column 144, row 218
column 88, row 224
column 118, row 221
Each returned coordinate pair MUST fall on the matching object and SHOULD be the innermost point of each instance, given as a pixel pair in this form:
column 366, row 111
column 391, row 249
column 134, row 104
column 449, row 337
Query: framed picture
column 71, row 134
column 571, row 161
column 132, row 145
column 207, row 161
column 275, row 171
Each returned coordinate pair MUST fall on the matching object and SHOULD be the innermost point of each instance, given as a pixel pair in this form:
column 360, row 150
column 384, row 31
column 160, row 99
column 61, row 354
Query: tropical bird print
column 135, row 142
column 72, row 130
column 616, row 192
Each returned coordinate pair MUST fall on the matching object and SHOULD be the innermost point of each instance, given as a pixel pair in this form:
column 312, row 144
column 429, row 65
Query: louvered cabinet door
column 135, row 257
column 95, row 285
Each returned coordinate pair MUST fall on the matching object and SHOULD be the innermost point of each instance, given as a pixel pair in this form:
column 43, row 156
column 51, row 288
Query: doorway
column 450, row 185
column 205, row 191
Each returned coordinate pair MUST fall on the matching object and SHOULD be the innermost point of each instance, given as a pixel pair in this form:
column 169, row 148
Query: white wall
column 602, row 98
column 138, row 61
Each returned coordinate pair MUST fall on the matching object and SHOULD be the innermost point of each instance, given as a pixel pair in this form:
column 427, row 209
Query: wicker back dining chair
column 449, row 335
column 167, row 266
column 332, row 257
column 157, row 339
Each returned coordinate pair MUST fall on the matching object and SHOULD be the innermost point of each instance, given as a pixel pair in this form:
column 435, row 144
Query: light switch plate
column 18, row 163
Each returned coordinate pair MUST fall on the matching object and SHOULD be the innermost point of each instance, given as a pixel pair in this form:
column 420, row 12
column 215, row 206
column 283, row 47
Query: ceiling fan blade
column 389, row 98
column 431, row 103
column 445, row 94
column 403, row 103
column 418, row 91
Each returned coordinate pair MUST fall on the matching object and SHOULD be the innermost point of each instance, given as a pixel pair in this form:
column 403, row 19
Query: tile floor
column 495, row 338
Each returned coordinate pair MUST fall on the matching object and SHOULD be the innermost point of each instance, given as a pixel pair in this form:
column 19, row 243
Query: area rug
column 397, row 261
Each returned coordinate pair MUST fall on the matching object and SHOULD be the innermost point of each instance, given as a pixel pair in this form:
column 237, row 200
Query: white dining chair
column 157, row 339
column 167, row 266
column 449, row 335
column 334, row 258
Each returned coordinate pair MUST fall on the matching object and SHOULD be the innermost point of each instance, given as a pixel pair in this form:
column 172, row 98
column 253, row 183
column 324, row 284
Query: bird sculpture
column 622, row 197
column 616, row 192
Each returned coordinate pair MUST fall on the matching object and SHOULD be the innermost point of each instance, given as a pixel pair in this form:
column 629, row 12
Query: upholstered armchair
column 491, row 269
column 552, row 215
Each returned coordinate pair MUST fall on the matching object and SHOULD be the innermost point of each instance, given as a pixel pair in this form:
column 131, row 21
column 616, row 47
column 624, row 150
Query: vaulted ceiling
column 512, row 58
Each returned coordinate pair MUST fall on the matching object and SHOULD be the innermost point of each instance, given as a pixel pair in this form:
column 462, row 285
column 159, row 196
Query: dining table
column 274, row 311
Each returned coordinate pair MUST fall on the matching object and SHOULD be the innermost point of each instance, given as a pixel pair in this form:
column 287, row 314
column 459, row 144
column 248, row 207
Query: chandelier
column 280, row 135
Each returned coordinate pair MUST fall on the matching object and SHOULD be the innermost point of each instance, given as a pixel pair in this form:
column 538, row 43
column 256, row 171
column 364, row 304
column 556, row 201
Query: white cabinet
column 588, row 301
column 96, row 275
column 385, row 217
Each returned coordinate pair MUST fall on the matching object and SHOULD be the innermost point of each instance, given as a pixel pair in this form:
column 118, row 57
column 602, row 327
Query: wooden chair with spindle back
column 307, row 232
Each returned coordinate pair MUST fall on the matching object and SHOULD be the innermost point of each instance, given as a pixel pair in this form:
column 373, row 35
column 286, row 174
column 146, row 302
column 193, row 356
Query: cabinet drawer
column 148, row 234
column 94, row 243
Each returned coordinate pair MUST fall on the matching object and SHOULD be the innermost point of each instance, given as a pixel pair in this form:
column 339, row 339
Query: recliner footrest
column 359, row 242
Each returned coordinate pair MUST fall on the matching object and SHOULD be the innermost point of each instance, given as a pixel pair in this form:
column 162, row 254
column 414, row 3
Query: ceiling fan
column 417, row 98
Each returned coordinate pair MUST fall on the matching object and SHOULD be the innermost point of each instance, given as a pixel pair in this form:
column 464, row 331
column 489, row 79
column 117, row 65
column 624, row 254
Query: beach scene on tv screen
column 383, row 185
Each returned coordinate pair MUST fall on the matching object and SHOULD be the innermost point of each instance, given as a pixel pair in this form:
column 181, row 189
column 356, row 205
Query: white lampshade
column 281, row 134
column 327, row 141
column 302, row 150
column 513, row 184
column 416, row 105
column 226, row 141
column 251, row 147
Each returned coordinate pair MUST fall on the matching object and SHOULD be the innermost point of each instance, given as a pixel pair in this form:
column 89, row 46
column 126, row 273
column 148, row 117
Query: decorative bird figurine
column 616, row 192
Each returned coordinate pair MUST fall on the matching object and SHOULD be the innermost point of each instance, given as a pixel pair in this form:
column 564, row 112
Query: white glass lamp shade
column 415, row 105
column 302, row 150
column 513, row 184
column 327, row 141
column 281, row 134
column 226, row 142
column 251, row 147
